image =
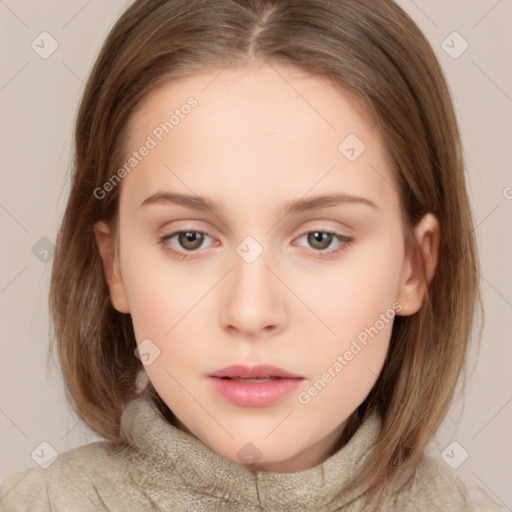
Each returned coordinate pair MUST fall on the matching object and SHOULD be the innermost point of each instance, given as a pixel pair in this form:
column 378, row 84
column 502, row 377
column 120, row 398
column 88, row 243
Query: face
column 241, row 273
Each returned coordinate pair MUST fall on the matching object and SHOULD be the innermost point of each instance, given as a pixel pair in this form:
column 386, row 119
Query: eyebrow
column 202, row 203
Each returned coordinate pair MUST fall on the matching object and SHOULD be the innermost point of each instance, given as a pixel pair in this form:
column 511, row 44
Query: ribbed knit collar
column 175, row 458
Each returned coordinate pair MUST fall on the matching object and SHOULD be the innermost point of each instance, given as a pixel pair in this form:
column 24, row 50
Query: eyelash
column 322, row 254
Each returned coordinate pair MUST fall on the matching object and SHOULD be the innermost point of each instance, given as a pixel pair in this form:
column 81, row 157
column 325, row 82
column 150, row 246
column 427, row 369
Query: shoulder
column 434, row 487
column 72, row 479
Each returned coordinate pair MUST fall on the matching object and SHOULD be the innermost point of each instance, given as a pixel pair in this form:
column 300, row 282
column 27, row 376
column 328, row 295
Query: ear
column 106, row 242
column 419, row 265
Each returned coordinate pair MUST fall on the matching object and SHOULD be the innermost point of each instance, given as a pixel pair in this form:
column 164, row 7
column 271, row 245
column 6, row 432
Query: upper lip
column 259, row 371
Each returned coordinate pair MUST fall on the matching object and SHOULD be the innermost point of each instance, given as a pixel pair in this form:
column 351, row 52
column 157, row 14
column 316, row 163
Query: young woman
column 265, row 278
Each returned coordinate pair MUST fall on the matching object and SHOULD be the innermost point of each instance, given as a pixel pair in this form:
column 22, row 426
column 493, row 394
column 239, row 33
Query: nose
column 253, row 301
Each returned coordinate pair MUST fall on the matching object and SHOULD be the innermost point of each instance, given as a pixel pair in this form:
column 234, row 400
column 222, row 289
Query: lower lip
column 254, row 394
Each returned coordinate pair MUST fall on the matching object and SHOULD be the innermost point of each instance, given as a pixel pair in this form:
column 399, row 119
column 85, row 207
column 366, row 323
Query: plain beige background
column 39, row 98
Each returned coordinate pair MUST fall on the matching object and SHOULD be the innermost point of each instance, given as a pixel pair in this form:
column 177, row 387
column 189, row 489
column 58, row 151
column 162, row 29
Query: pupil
column 319, row 237
column 190, row 239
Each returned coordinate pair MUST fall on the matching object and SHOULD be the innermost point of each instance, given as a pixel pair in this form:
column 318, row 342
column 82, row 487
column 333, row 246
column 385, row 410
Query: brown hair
column 375, row 51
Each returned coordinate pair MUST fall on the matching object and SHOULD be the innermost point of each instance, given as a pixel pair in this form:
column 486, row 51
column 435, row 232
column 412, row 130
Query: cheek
column 345, row 367
column 156, row 292
column 353, row 295
column 165, row 309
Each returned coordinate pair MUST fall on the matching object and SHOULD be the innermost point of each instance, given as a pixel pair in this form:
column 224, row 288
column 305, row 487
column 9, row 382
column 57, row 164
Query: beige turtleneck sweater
column 170, row 470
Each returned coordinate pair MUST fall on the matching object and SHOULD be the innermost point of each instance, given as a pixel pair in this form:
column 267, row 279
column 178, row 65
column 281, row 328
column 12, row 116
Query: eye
column 322, row 240
column 189, row 240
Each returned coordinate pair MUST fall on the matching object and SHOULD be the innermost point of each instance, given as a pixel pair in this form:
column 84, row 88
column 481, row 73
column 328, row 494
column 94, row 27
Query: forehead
column 258, row 95
column 256, row 127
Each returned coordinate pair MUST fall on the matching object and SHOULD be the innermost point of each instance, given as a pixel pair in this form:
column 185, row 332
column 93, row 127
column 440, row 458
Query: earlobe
column 105, row 240
column 419, row 265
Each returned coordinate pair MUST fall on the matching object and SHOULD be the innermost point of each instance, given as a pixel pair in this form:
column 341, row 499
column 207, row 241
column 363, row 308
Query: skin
column 252, row 143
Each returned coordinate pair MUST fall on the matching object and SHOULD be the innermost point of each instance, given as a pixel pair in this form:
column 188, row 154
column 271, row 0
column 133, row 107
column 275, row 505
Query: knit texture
column 170, row 470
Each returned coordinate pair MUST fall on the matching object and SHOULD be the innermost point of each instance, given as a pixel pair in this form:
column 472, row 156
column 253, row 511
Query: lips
column 261, row 371
column 254, row 386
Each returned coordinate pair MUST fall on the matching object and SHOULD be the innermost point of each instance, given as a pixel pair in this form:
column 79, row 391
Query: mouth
column 257, row 372
column 239, row 379
column 254, row 386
